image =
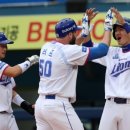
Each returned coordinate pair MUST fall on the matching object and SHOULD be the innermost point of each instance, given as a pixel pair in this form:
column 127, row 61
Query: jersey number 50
column 45, row 68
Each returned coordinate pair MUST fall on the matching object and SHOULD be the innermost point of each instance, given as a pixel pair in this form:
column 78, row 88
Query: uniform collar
column 125, row 48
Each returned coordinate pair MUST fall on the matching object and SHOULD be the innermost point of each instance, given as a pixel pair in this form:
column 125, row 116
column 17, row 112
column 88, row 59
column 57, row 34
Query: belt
column 53, row 96
column 50, row 96
column 120, row 100
column 3, row 112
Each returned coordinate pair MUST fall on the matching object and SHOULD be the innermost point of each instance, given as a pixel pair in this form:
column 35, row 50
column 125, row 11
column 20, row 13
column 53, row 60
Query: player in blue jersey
column 116, row 113
column 58, row 67
column 7, row 87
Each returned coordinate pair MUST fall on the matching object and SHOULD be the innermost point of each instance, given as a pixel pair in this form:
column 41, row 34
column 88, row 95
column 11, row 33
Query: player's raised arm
column 86, row 26
column 95, row 52
column 107, row 28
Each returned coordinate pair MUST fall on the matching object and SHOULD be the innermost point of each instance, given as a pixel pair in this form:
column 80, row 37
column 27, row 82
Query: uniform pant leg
column 3, row 122
column 65, row 117
column 124, row 123
column 8, row 122
column 40, row 116
column 12, row 123
column 108, row 119
column 60, row 115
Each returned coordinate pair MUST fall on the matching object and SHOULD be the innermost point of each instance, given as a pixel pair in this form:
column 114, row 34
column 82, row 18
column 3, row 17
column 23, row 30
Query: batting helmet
column 4, row 40
column 127, row 20
column 65, row 26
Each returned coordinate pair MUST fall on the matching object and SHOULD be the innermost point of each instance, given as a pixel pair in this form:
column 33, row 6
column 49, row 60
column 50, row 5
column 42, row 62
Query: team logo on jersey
column 116, row 56
column 5, row 80
column 84, row 49
column 120, row 68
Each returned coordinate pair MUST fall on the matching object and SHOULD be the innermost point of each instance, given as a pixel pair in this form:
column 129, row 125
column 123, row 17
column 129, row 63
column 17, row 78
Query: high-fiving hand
column 108, row 20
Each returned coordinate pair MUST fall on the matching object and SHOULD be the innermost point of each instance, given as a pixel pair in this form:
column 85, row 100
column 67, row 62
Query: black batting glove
column 27, row 107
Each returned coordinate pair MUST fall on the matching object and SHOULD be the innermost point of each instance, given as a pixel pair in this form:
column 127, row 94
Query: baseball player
column 116, row 113
column 58, row 67
column 7, row 85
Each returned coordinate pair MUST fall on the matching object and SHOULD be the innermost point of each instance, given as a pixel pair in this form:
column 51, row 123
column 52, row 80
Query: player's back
column 56, row 73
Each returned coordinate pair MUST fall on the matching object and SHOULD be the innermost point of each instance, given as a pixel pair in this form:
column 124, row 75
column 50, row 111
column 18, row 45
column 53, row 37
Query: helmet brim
column 6, row 42
column 79, row 27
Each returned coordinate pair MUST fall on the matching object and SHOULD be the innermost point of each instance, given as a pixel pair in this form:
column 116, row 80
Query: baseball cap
column 4, row 40
column 127, row 20
column 127, row 28
column 65, row 26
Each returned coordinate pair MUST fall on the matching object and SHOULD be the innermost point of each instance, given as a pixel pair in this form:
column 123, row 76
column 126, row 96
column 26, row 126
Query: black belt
column 3, row 112
column 50, row 96
column 53, row 96
column 119, row 100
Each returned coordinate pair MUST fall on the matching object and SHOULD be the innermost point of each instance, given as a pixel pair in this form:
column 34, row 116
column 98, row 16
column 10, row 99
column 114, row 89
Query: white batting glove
column 108, row 21
column 85, row 27
column 34, row 59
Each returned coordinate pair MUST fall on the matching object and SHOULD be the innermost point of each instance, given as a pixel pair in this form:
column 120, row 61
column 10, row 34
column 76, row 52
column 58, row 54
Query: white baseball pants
column 56, row 114
column 115, row 116
column 7, row 122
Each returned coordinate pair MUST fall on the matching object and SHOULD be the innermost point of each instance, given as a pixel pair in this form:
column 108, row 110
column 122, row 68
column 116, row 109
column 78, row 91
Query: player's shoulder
column 71, row 47
column 113, row 50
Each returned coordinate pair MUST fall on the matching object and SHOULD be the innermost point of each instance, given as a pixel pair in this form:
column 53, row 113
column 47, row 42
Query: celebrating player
column 116, row 113
column 7, row 85
column 58, row 67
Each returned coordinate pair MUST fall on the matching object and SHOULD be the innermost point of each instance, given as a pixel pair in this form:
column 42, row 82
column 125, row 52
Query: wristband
column 25, row 65
column 17, row 100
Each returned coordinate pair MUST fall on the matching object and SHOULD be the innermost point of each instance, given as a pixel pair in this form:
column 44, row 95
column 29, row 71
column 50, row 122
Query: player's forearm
column 83, row 40
column 22, row 67
column 79, row 39
column 88, row 38
column 17, row 69
column 98, row 52
column 107, row 37
column 18, row 100
column 12, row 71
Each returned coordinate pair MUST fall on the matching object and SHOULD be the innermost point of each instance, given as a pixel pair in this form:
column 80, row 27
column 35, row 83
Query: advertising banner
column 32, row 31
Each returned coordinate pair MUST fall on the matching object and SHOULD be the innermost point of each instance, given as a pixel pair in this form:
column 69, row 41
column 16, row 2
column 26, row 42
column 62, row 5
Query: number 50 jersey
column 58, row 67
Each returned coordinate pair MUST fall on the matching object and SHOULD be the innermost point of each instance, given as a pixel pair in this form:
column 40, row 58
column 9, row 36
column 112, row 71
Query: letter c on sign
column 95, row 35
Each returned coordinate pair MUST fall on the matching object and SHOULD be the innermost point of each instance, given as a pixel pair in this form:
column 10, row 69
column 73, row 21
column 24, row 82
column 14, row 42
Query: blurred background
column 30, row 24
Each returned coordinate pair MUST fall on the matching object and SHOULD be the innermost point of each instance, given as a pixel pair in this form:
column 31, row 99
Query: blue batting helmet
column 127, row 20
column 4, row 40
column 65, row 26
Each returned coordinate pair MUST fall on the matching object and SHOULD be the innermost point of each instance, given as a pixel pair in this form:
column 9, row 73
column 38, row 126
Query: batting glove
column 85, row 27
column 34, row 59
column 108, row 21
column 27, row 107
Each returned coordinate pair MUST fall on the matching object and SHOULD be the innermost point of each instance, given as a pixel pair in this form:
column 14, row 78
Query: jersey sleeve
column 104, row 60
column 3, row 66
column 76, row 55
column 13, row 82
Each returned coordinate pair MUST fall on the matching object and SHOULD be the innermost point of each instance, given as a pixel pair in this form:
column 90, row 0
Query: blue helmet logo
column 65, row 26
